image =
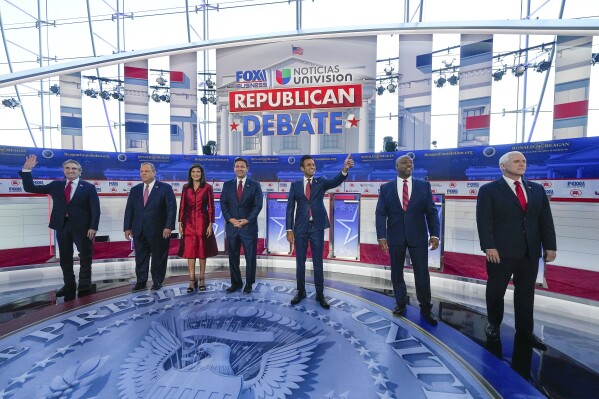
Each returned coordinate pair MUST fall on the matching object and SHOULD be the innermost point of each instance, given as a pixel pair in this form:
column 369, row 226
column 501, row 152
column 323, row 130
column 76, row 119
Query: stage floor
column 170, row 344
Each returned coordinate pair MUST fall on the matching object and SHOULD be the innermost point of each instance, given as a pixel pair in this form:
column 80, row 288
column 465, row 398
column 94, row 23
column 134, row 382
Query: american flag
column 297, row 50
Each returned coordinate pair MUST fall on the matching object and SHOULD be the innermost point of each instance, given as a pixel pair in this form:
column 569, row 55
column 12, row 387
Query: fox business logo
column 251, row 79
column 36, row 182
column 434, row 190
column 547, row 184
column 472, row 184
column 98, row 189
column 97, row 183
column 473, row 191
column 549, row 192
column 453, row 184
column 113, row 183
column 576, row 192
column 113, row 189
column 575, row 184
column 15, row 190
column 14, row 183
column 452, row 191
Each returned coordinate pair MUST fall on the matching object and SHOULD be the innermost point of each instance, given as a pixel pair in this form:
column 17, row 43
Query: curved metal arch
column 539, row 27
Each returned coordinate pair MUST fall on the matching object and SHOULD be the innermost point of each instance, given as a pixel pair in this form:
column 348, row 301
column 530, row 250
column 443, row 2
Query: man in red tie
column 515, row 228
column 306, row 220
column 241, row 202
column 75, row 217
column 405, row 218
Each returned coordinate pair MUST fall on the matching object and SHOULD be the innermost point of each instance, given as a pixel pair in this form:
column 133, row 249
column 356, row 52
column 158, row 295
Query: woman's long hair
column 202, row 178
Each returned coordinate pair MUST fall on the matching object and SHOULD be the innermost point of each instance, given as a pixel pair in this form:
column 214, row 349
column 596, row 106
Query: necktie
column 146, row 194
column 239, row 190
column 308, row 193
column 406, row 196
column 67, row 192
column 520, row 195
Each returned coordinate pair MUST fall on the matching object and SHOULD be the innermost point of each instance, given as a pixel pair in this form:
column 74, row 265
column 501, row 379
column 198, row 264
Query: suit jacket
column 412, row 225
column 158, row 214
column 297, row 197
column 248, row 208
column 83, row 209
column 503, row 225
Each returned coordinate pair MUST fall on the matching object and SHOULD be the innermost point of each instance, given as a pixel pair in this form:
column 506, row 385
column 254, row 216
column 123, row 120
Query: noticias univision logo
column 283, row 76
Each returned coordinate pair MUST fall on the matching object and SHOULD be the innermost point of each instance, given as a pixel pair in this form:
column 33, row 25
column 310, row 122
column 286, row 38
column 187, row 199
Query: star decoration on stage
column 352, row 121
column 234, row 125
column 343, row 222
column 280, row 221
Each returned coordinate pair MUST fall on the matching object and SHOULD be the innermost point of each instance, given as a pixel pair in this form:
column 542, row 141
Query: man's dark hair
column 302, row 159
column 240, row 159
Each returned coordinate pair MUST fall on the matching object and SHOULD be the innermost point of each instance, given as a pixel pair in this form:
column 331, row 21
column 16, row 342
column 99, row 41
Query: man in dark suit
column 405, row 217
column 75, row 217
column 310, row 222
column 241, row 203
column 149, row 218
column 515, row 226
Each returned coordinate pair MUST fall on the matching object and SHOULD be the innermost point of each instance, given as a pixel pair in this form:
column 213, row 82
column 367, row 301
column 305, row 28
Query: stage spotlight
column 117, row 94
column 498, row 75
column 166, row 98
column 440, row 82
column 209, row 83
column 380, row 90
column 389, row 70
column 543, row 66
column 212, row 100
column 91, row 93
column 105, row 95
column 434, row 143
column 161, row 80
column 55, row 89
column 594, row 58
column 519, row 70
column 453, row 80
column 11, row 103
column 204, row 100
column 155, row 97
column 391, row 87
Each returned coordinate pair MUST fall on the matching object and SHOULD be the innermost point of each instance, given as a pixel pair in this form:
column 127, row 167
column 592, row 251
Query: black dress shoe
column 429, row 317
column 156, row 286
column 323, row 301
column 492, row 331
column 139, row 287
column 86, row 289
column 535, row 342
column 298, row 297
column 399, row 310
column 65, row 289
column 247, row 289
column 232, row 289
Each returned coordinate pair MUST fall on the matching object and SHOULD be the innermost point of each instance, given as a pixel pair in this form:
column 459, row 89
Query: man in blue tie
column 405, row 217
column 310, row 222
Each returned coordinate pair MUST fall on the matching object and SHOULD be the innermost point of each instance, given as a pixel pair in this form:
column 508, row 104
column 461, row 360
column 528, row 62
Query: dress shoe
column 492, row 331
column 323, row 301
column 86, row 289
column 139, row 287
column 247, row 289
column 298, row 297
column 429, row 317
column 399, row 310
column 192, row 286
column 64, row 290
column 535, row 342
column 232, row 289
column 156, row 286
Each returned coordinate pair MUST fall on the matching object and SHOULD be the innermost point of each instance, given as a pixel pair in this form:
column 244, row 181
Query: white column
column 225, row 130
column 363, row 128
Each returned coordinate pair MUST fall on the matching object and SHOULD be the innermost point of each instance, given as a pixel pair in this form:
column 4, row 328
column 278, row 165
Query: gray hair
column 506, row 157
column 72, row 161
column 151, row 165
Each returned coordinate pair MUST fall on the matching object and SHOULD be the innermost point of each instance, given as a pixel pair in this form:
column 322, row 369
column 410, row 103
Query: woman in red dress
column 196, row 215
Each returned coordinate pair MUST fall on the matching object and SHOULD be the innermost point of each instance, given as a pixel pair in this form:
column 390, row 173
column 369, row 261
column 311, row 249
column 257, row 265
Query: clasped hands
column 239, row 223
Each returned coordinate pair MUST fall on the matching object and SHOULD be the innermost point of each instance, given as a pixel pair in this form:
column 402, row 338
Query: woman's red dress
column 196, row 212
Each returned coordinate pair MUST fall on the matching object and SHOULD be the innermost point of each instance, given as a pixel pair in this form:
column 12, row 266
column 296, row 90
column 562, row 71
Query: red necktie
column 308, row 193
column 520, row 195
column 146, row 194
column 406, row 195
column 239, row 190
column 67, row 192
